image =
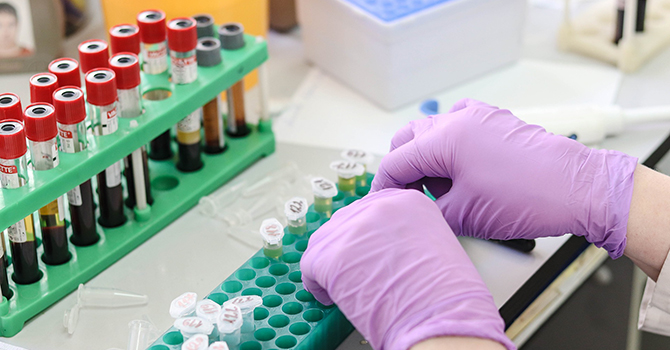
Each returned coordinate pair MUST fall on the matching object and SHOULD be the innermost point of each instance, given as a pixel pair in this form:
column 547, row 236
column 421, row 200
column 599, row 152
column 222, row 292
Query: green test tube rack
column 290, row 317
column 174, row 192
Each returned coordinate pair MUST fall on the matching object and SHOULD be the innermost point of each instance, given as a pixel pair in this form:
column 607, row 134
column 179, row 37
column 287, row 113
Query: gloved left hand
column 397, row 272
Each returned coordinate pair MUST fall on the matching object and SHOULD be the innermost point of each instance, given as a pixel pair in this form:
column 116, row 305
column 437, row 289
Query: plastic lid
column 204, row 24
column 152, row 26
column 358, row 156
column 247, row 303
column 207, row 309
column 67, row 71
column 125, row 38
column 230, row 319
column 70, row 318
column 182, row 34
column 347, row 169
column 196, row 342
column 10, row 107
column 208, row 52
column 69, row 105
column 42, row 87
column 296, row 208
column 218, row 345
column 231, row 36
column 93, row 54
column 183, row 304
column 323, row 188
column 40, row 122
column 194, row 325
column 126, row 66
column 12, row 139
column 272, row 231
column 101, row 87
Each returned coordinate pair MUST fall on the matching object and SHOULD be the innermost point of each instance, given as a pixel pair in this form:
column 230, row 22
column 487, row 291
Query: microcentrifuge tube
column 190, row 326
column 212, row 204
column 347, row 173
column 142, row 334
column 272, row 232
column 183, row 305
column 208, row 310
column 324, row 191
column 287, row 174
column 296, row 210
column 196, row 342
column 242, row 216
column 229, row 324
column 218, row 345
column 247, row 304
column 362, row 157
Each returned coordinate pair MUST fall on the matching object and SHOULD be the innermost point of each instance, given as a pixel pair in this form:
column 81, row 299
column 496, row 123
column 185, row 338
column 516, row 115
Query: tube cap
column 40, row 122
column 12, row 139
column 182, row 34
column 231, row 36
column 208, row 52
column 67, row 71
column 152, row 26
column 42, row 87
column 93, row 54
column 125, row 38
column 10, row 107
column 204, row 24
column 101, row 87
column 69, row 105
column 126, row 66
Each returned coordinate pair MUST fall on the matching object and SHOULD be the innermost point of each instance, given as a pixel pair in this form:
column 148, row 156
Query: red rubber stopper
column 126, row 66
column 66, row 70
column 101, row 87
column 152, row 26
column 12, row 139
column 40, row 122
column 10, row 107
column 125, row 38
column 42, row 87
column 69, row 105
column 93, row 54
column 182, row 34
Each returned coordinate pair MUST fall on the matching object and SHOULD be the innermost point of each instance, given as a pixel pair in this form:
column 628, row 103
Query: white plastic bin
column 395, row 55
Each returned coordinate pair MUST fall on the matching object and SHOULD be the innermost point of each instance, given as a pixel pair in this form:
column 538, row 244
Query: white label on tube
column 17, row 232
column 154, row 57
column 296, row 208
column 113, row 174
column 184, row 69
column 9, row 174
column 194, row 325
column 109, row 121
column 356, row 155
column 347, row 169
column 323, row 188
column 196, row 342
column 191, row 123
column 272, row 231
column 247, row 303
column 66, row 140
column 208, row 310
column 74, row 196
column 218, row 345
column 183, row 304
column 230, row 319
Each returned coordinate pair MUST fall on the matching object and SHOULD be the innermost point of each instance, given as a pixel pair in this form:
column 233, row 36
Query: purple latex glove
column 507, row 179
column 398, row 273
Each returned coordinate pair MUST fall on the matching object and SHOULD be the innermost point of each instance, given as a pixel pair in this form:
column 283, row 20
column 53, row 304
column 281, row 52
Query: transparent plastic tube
column 296, row 211
column 324, row 191
column 243, row 216
column 212, row 204
column 288, row 173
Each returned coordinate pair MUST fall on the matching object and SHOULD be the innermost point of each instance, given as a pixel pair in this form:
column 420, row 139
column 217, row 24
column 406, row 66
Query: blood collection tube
column 208, row 52
column 125, row 38
column 126, row 67
column 231, row 36
column 296, row 211
column 42, row 87
column 347, row 172
column 160, row 147
column 152, row 41
column 324, row 191
column 620, row 15
column 205, row 25
column 272, row 232
column 188, row 140
column 182, row 37
column 67, row 71
column 101, row 97
column 71, row 117
column 14, row 174
column 10, row 107
column 93, row 54
column 361, row 157
column 41, row 131
column 130, row 175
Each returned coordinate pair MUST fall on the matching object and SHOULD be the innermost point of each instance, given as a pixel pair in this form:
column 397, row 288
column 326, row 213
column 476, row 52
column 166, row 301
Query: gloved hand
column 507, row 179
column 398, row 273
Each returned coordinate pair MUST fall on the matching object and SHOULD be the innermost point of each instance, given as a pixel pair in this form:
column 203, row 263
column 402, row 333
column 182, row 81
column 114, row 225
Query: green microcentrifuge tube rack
column 174, row 192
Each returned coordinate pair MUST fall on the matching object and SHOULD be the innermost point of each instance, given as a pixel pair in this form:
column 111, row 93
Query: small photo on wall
column 16, row 29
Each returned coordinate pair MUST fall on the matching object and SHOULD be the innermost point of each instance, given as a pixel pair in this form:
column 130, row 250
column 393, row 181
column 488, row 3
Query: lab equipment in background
column 247, row 304
column 66, row 71
column 153, row 39
column 208, row 52
column 14, row 174
column 347, row 173
column 296, row 210
column 229, row 324
column 590, row 32
column 41, row 131
column 125, row 38
column 10, row 107
column 361, row 157
column 42, row 87
column 231, row 36
column 272, row 232
column 212, row 204
column 324, row 191
column 93, row 54
column 402, row 50
column 71, row 117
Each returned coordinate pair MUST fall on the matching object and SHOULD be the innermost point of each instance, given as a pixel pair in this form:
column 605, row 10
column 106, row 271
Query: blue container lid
column 390, row 10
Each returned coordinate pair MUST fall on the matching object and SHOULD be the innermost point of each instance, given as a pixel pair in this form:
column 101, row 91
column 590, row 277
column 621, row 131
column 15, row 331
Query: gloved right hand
column 505, row 179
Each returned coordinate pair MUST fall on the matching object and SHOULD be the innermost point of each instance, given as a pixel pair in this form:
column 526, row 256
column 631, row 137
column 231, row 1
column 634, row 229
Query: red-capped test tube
column 67, row 71
column 126, row 67
column 182, row 36
column 14, row 174
column 93, row 54
column 125, row 38
column 42, row 87
column 41, row 131
column 10, row 107
column 101, row 97
column 153, row 41
column 71, row 120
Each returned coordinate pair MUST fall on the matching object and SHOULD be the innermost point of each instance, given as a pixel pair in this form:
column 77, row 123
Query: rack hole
column 292, row 308
column 285, row 288
column 261, row 313
column 165, row 183
column 304, row 296
column 301, row 246
column 300, row 328
column 291, row 258
column 266, row 281
column 252, row 291
column 245, row 274
column 173, row 338
column 286, row 341
column 157, row 94
column 295, row 277
column 312, row 217
column 313, row 315
column 265, row 334
column 251, row 345
column 218, row 298
column 278, row 269
column 231, row 286
column 260, row 263
column 278, row 321
column 272, row 301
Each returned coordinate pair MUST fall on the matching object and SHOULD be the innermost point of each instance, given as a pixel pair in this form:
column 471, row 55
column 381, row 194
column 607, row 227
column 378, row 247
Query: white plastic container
column 403, row 58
